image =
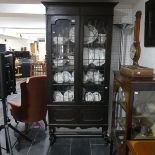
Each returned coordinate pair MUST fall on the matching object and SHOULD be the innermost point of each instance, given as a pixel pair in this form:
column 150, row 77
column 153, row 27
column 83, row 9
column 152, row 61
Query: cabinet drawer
column 62, row 115
column 94, row 115
column 65, row 116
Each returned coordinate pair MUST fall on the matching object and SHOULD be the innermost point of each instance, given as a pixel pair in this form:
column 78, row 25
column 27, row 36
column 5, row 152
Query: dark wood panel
column 94, row 115
column 59, row 115
column 100, row 10
column 61, row 10
column 77, row 115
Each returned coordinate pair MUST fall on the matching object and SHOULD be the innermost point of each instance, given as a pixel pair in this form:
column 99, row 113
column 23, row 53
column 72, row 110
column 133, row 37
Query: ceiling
column 26, row 17
column 38, row 1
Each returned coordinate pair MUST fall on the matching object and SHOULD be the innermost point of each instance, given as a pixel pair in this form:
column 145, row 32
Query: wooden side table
column 38, row 69
column 141, row 147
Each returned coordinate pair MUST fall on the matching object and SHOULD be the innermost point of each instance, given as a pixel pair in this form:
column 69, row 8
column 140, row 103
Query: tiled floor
column 41, row 145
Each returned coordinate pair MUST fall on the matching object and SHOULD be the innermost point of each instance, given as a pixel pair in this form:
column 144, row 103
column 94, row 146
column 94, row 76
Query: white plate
column 58, row 77
column 58, row 62
column 98, row 77
column 66, row 76
column 99, row 56
column 69, row 95
column 89, row 96
column 59, row 40
column 97, row 96
column 72, row 34
column 58, row 97
column 72, row 78
column 71, row 59
column 90, row 34
column 101, row 38
column 90, row 76
column 88, row 56
column 95, row 56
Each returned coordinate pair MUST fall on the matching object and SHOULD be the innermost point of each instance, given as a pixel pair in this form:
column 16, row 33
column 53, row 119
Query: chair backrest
column 34, row 98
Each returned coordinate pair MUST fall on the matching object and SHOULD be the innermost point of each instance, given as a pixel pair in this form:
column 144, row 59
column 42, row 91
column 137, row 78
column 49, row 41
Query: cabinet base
column 54, row 134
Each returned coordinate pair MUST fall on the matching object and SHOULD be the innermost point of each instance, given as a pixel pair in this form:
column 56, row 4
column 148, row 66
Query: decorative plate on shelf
column 69, row 95
column 95, row 56
column 88, row 56
column 99, row 56
column 90, row 34
column 58, row 77
column 58, row 97
column 58, row 62
column 72, row 34
column 66, row 76
column 89, row 96
column 97, row 96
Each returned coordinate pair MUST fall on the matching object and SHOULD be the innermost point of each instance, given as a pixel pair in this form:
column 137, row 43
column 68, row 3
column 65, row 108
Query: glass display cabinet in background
column 133, row 115
column 78, row 63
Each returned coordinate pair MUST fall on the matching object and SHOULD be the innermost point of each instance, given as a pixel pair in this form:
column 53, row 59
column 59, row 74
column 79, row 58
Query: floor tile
column 80, row 149
column 98, row 140
column 60, row 149
column 63, row 140
column 80, row 146
column 100, row 150
column 40, row 147
column 80, row 140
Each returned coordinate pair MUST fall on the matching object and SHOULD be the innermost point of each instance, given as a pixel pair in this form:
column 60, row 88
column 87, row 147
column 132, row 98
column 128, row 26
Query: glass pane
column 119, row 117
column 94, row 59
column 63, row 50
column 143, row 117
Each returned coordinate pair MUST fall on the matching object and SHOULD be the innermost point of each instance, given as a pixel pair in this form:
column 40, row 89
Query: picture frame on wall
column 149, row 35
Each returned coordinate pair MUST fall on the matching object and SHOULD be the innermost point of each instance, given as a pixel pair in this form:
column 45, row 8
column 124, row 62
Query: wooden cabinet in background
column 34, row 48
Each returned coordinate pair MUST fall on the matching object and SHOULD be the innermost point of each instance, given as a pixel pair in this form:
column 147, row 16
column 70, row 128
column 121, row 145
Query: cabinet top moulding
column 82, row 8
column 80, row 3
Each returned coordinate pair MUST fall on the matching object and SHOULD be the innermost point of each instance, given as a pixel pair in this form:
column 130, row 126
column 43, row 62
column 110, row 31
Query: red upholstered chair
column 33, row 106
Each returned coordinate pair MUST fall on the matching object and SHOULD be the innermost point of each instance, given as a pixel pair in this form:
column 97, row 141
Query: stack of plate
column 95, row 77
column 89, row 96
column 95, row 56
column 64, row 76
column 67, row 96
